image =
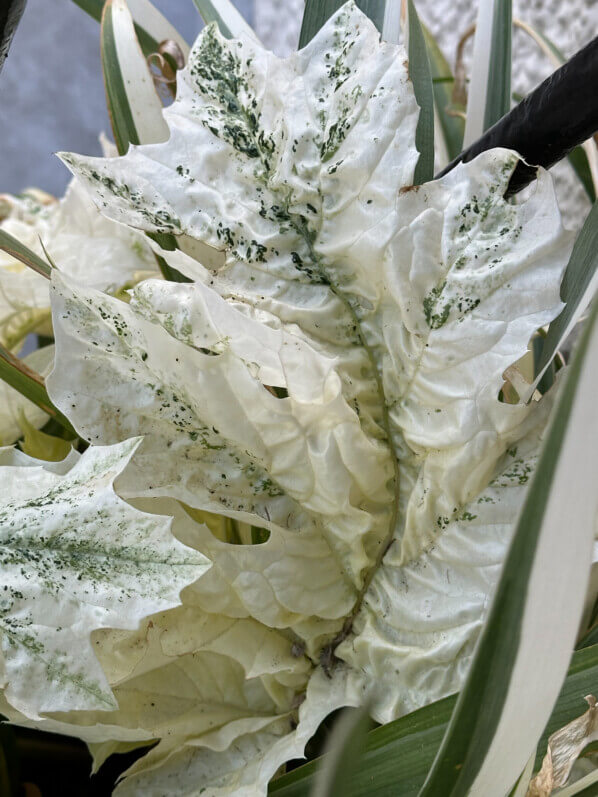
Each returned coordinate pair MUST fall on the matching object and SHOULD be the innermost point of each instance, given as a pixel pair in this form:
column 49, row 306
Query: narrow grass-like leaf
column 520, row 788
column 317, row 12
column 421, row 77
column 31, row 385
column 133, row 104
column 451, row 125
column 151, row 26
column 397, row 756
column 577, row 289
column 584, row 787
column 343, row 759
column 11, row 12
column 537, row 606
column 230, row 21
column 490, row 88
column 578, row 158
column 21, row 252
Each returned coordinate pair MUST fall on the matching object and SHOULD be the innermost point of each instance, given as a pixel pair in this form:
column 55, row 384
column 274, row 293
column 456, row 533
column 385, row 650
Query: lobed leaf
column 329, row 378
column 75, row 557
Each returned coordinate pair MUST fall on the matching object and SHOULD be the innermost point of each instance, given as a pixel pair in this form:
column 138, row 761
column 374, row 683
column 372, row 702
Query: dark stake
column 556, row 117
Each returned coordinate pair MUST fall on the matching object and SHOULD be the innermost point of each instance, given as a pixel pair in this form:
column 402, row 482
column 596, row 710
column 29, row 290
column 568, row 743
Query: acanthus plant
column 306, row 436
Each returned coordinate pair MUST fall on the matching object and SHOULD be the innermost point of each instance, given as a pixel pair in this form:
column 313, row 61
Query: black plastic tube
column 10, row 15
column 553, row 119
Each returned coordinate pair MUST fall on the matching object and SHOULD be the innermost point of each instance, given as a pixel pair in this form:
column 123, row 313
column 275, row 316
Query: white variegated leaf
column 80, row 242
column 331, row 376
column 76, row 557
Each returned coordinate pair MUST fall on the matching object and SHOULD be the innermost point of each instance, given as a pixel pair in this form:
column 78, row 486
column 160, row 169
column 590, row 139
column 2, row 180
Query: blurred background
column 52, row 94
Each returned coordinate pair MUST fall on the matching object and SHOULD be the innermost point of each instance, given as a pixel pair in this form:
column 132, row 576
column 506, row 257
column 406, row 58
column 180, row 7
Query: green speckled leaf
column 74, row 557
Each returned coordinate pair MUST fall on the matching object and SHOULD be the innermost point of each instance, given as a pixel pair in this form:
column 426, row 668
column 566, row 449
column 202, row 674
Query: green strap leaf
column 580, row 164
column 537, row 606
column 133, row 105
column 421, row 77
column 342, row 763
column 231, row 23
column 490, row 87
column 451, row 125
column 577, row 289
column 31, row 385
column 150, row 25
column 21, row 252
column 397, row 756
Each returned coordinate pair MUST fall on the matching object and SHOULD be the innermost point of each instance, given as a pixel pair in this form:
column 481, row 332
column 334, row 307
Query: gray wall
column 51, row 89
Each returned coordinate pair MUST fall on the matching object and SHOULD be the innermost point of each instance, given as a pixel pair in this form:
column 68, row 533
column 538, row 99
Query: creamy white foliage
column 79, row 240
column 331, row 375
column 76, row 557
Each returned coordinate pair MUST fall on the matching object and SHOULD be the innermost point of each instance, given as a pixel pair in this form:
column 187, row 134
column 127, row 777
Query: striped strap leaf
column 397, row 756
column 133, row 105
column 524, row 649
column 151, row 26
column 21, row 252
column 421, row 77
column 231, row 23
column 490, row 87
column 342, row 764
column 451, row 125
column 31, row 385
column 579, row 285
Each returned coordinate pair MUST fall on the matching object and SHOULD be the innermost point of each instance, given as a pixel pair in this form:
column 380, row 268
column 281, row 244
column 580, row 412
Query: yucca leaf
column 25, row 255
column 578, row 159
column 537, row 606
column 11, row 12
column 151, row 26
column 343, row 761
column 577, row 289
column 560, row 114
column 231, row 23
column 490, row 87
column 421, row 77
column 133, row 105
column 31, row 385
column 397, row 756
column 584, row 787
column 451, row 125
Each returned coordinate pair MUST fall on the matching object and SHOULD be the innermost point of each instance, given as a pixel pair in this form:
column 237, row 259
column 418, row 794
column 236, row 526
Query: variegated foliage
column 79, row 241
column 319, row 407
